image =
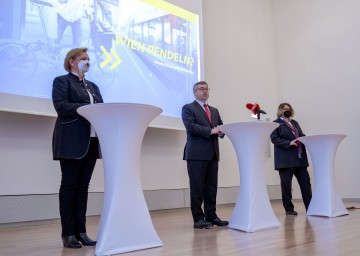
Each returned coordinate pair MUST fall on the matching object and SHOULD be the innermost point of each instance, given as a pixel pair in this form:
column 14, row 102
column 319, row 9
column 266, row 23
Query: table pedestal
column 125, row 223
column 253, row 210
column 325, row 200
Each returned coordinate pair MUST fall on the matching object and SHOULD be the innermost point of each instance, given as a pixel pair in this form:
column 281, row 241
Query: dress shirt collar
column 201, row 103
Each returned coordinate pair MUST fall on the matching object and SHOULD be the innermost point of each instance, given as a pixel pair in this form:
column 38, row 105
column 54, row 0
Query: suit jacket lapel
column 287, row 127
column 201, row 109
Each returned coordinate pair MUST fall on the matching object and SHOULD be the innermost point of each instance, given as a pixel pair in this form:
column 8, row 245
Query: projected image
column 141, row 51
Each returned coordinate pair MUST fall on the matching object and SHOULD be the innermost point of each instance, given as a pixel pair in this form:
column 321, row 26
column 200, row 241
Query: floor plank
column 297, row 235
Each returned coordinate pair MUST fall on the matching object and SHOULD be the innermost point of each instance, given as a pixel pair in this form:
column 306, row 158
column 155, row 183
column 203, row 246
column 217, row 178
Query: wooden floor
column 298, row 235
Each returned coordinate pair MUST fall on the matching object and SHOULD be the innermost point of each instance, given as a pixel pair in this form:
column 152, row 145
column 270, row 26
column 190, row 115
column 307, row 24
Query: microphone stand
column 258, row 112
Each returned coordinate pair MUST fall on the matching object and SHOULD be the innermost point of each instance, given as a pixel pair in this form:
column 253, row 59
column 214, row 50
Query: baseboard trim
column 28, row 208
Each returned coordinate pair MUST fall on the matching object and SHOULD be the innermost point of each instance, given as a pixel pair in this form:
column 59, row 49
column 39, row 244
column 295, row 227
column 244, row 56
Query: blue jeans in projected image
column 75, row 30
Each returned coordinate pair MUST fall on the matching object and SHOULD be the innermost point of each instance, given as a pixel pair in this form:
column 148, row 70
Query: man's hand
column 216, row 130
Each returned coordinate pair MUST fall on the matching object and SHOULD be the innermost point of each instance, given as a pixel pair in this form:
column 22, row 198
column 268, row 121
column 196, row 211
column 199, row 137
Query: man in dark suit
column 290, row 157
column 202, row 155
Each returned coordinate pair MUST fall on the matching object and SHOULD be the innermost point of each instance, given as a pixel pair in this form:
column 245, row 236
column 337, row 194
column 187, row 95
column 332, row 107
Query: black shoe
column 292, row 212
column 85, row 240
column 218, row 222
column 71, row 242
column 202, row 224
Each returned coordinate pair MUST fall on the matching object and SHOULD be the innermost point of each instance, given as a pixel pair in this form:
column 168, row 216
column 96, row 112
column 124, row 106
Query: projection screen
column 141, row 51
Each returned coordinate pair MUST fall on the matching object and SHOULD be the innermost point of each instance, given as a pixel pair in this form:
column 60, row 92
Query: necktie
column 207, row 111
column 296, row 133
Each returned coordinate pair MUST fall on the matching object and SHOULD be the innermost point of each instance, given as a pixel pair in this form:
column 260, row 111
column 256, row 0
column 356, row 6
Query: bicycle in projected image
column 25, row 59
column 97, row 56
column 100, row 39
column 22, row 58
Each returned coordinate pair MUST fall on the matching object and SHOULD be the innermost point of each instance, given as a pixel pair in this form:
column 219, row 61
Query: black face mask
column 287, row 113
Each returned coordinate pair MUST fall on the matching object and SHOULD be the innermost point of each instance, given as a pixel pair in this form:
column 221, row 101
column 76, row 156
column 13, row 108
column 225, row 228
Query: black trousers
column 303, row 178
column 73, row 195
column 203, row 176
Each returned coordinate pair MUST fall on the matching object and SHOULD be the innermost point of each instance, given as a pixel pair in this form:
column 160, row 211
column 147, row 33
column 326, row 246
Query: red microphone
column 255, row 109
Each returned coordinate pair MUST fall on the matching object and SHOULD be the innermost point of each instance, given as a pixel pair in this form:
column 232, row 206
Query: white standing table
column 125, row 223
column 252, row 210
column 326, row 200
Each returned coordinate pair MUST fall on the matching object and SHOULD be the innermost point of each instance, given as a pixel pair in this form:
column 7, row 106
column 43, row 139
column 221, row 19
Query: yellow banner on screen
column 173, row 9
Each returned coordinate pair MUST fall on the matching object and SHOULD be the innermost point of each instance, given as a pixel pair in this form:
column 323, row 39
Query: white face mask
column 84, row 66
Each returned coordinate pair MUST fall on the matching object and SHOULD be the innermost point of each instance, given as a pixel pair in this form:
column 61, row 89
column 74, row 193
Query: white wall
column 27, row 166
column 240, row 69
column 318, row 59
column 25, row 155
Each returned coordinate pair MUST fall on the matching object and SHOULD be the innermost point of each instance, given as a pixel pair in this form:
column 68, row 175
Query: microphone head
column 249, row 106
column 253, row 107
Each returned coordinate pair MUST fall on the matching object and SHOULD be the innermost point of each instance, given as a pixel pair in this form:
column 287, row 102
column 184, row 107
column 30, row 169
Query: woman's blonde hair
column 72, row 54
column 280, row 109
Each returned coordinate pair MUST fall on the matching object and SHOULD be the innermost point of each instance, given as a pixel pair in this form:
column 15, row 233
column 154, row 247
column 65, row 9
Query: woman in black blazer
column 75, row 145
column 290, row 157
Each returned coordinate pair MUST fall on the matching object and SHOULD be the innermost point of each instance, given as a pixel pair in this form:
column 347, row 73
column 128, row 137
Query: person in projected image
column 290, row 157
column 202, row 155
column 70, row 14
column 75, row 145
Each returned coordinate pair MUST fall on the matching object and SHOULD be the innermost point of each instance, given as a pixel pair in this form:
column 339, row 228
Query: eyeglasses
column 203, row 89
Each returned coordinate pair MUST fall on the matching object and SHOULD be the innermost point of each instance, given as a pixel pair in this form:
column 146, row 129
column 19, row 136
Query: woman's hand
column 294, row 142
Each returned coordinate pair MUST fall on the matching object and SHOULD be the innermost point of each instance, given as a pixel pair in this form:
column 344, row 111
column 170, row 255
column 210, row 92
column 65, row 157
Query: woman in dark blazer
column 75, row 145
column 290, row 157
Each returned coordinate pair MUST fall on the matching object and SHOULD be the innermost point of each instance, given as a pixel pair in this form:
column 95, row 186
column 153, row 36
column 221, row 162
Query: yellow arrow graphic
column 118, row 60
column 108, row 57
